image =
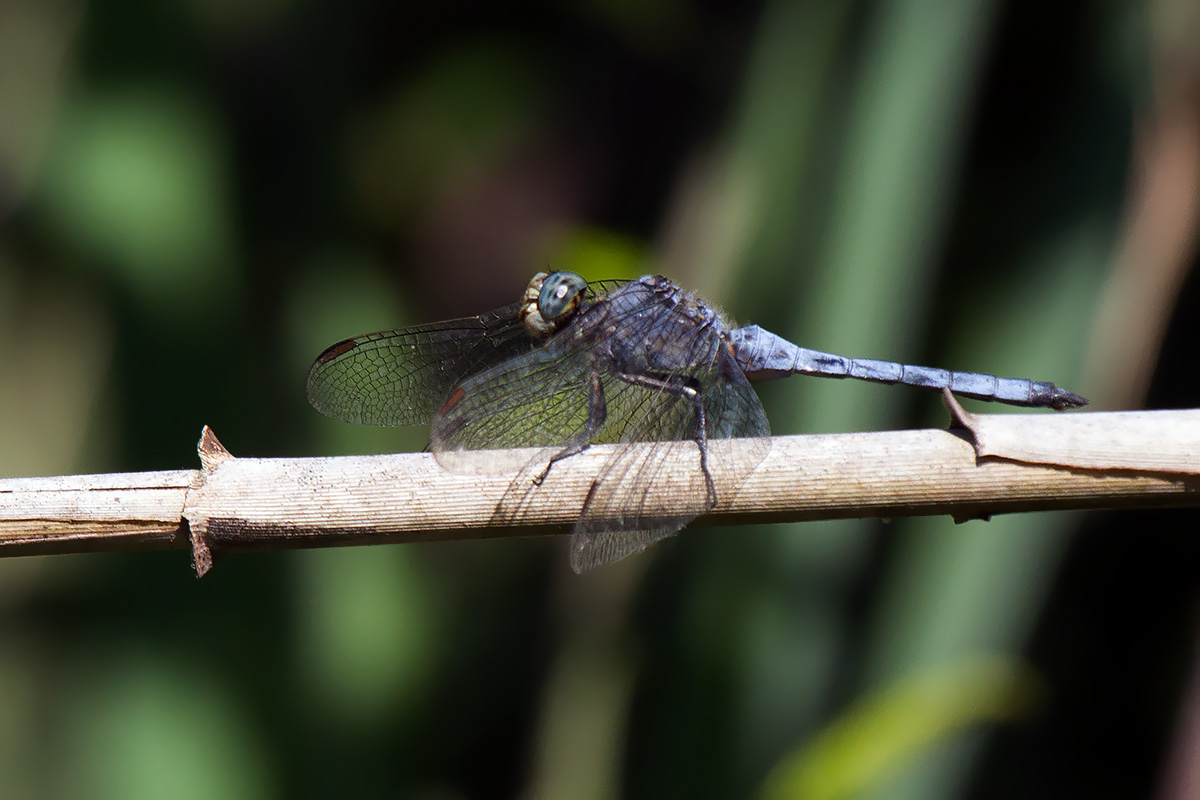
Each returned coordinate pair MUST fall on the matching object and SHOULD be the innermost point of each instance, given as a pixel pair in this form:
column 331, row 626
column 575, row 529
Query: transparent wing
column 615, row 522
column 401, row 377
column 537, row 400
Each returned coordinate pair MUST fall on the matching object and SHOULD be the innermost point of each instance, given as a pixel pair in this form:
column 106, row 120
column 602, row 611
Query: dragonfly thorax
column 665, row 330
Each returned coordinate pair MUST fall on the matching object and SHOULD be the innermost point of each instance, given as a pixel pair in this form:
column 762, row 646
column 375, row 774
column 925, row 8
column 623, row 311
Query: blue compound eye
column 561, row 294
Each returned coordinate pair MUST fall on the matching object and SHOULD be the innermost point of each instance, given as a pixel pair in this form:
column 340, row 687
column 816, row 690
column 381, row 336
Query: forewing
column 402, row 377
column 537, row 400
column 618, row 519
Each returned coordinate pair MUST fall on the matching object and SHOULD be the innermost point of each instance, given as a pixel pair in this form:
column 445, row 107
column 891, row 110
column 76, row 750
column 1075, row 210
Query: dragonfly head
column 550, row 302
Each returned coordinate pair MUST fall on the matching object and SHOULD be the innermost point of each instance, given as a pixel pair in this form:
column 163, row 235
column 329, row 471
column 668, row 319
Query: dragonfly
column 572, row 364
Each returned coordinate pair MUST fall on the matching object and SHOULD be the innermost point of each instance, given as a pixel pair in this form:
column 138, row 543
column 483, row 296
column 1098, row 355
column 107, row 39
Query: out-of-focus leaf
column 887, row 729
column 599, row 255
column 135, row 181
column 367, row 622
column 135, row 728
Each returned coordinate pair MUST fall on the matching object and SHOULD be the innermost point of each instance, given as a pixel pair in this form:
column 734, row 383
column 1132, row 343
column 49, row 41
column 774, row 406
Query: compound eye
column 561, row 295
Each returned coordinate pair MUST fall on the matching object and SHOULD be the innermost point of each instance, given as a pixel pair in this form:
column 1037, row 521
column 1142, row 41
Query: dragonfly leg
column 687, row 389
column 597, row 414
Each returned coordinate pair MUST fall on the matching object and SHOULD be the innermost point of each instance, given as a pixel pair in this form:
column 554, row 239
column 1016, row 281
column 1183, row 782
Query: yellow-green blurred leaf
column 896, row 725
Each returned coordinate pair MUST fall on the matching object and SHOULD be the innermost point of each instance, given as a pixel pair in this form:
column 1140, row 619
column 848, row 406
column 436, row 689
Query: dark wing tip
column 335, row 350
column 316, row 386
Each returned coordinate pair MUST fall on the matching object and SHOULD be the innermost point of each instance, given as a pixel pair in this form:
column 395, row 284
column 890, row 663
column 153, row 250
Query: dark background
column 197, row 197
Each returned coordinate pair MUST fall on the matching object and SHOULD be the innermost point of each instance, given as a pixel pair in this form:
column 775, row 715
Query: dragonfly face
column 551, row 300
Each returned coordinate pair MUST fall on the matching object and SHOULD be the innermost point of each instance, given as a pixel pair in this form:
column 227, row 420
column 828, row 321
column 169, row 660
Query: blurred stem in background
column 865, row 289
column 738, row 218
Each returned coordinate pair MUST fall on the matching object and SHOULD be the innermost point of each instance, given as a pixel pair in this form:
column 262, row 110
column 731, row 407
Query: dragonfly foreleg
column 597, row 414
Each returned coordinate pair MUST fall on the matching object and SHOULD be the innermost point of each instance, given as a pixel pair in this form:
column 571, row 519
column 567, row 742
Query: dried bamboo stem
column 254, row 503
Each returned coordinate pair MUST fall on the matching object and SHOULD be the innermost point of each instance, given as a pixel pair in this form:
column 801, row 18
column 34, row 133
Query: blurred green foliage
column 222, row 189
column 895, row 725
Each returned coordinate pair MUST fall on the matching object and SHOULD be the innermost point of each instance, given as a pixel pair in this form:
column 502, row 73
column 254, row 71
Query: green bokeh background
column 197, row 197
